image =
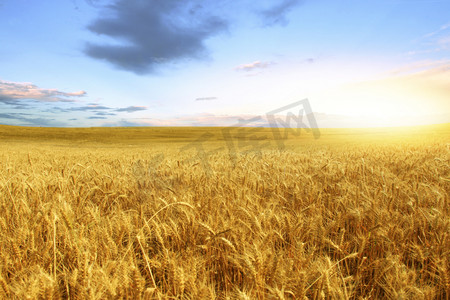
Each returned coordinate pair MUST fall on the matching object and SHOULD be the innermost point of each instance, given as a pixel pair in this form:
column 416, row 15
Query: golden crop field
column 168, row 213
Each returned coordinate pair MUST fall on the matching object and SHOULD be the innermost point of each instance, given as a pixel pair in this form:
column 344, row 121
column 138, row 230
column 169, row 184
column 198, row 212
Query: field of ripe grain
column 166, row 213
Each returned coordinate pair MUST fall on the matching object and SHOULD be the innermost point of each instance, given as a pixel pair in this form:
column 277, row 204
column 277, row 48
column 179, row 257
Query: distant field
column 191, row 213
column 142, row 135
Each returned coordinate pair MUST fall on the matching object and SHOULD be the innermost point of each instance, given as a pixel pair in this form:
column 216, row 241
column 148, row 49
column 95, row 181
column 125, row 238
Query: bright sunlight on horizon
column 96, row 63
column 194, row 149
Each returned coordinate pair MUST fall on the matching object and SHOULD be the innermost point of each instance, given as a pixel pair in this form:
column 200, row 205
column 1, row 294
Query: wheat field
column 140, row 213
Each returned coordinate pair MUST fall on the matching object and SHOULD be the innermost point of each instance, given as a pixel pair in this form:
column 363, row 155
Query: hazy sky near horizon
column 194, row 62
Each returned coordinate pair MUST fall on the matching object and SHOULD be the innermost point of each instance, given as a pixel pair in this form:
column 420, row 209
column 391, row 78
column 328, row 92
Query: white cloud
column 253, row 66
column 205, row 98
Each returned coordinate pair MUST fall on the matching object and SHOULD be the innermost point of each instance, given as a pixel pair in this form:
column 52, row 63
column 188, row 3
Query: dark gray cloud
column 153, row 32
column 96, row 3
column 131, row 109
column 276, row 15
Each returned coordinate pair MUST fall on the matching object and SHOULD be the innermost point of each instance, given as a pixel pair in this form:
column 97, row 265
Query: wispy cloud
column 444, row 41
column 433, row 33
column 12, row 92
column 253, row 66
column 420, row 66
column 25, row 119
column 96, row 118
column 201, row 119
column 105, row 114
column 433, row 42
column 99, row 109
column 131, row 109
column 206, row 98
column 187, row 120
column 93, row 107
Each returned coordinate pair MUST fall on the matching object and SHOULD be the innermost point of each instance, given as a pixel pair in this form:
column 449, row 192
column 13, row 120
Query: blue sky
column 150, row 62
